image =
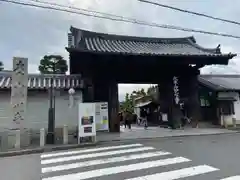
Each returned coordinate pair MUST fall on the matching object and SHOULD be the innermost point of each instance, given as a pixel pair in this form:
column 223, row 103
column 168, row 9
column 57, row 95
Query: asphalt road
column 193, row 158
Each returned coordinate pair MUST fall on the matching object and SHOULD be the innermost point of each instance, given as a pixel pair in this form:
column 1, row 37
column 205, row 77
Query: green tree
column 129, row 100
column 139, row 93
column 152, row 90
column 1, row 66
column 53, row 64
column 127, row 105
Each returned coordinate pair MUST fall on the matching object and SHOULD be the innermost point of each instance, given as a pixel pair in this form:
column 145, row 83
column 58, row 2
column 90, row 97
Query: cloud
column 34, row 32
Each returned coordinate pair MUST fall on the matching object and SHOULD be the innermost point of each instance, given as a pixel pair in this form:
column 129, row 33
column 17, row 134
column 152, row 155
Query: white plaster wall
column 237, row 111
column 236, row 106
column 137, row 111
column 37, row 110
column 227, row 119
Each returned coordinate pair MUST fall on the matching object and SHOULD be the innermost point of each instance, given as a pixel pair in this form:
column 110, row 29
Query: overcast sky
column 33, row 32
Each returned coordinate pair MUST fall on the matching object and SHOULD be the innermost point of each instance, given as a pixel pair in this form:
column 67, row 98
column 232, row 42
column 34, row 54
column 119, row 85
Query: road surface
column 192, row 158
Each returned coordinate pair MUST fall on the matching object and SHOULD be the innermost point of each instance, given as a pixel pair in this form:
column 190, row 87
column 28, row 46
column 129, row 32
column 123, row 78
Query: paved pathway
column 154, row 132
column 124, row 162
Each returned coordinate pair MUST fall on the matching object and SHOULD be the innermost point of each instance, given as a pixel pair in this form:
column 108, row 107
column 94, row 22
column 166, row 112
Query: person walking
column 128, row 119
column 120, row 116
column 183, row 119
column 125, row 118
column 134, row 118
column 144, row 118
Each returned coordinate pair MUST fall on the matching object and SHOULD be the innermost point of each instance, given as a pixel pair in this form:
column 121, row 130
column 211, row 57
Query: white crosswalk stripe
column 63, row 159
column 114, row 160
column 176, row 174
column 232, row 178
column 89, row 150
column 104, row 161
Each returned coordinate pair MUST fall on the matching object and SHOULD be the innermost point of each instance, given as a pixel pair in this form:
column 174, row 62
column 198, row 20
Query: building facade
column 219, row 98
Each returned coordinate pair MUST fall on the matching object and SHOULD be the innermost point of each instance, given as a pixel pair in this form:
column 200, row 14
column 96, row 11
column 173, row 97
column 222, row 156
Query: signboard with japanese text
column 87, row 123
column 176, row 90
column 102, row 116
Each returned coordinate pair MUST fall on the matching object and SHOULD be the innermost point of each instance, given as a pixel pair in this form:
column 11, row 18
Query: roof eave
column 213, row 86
column 76, row 50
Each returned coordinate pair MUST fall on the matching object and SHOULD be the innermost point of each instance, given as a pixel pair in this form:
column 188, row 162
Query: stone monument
column 19, row 97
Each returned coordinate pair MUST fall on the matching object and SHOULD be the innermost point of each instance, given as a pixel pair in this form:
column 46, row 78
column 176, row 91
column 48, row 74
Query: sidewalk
column 136, row 133
column 157, row 132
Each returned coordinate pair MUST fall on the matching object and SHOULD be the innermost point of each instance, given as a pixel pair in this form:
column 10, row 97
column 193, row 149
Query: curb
column 66, row 147
column 45, row 149
column 165, row 137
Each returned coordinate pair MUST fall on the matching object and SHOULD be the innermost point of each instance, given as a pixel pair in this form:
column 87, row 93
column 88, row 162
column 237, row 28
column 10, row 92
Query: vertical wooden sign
column 19, row 91
column 176, row 90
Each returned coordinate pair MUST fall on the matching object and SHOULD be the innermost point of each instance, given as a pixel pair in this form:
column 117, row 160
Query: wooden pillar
column 100, row 90
column 194, row 102
column 165, row 98
column 168, row 102
column 88, row 90
column 113, row 107
column 100, row 93
column 176, row 97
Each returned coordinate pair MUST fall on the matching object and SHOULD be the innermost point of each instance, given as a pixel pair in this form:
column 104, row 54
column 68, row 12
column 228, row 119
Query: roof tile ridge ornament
column 216, row 50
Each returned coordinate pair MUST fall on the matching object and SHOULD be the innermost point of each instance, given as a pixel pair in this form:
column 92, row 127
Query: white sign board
column 164, row 117
column 102, row 116
column 87, row 120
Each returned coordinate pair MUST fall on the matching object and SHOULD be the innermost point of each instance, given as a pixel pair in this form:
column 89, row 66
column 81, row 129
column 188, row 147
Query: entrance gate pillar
column 169, row 96
column 105, row 90
column 113, row 107
column 194, row 102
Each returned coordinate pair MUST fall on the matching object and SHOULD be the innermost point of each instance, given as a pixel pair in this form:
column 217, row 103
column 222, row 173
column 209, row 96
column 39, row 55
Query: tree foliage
column 53, row 64
column 152, row 90
column 128, row 104
column 1, row 66
column 129, row 100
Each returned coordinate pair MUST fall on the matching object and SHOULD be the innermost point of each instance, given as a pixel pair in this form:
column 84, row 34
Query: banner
column 102, row 121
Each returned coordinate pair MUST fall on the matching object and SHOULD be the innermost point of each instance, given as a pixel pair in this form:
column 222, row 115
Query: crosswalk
column 120, row 162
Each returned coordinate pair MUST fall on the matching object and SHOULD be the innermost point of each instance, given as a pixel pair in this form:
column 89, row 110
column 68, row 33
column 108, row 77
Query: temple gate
column 105, row 60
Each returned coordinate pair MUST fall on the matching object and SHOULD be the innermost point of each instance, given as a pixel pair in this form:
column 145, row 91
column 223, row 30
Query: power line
column 115, row 18
column 75, row 8
column 190, row 12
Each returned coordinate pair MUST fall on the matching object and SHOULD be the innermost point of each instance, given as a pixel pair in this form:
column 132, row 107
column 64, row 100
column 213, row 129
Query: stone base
column 24, row 141
column 3, row 141
column 25, row 138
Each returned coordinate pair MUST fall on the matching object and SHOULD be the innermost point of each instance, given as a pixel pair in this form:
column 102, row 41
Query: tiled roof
column 221, row 82
column 106, row 43
column 38, row 81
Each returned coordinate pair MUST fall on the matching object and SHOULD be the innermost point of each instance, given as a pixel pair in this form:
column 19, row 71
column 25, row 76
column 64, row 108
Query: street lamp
column 51, row 115
column 71, row 92
column 51, row 111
